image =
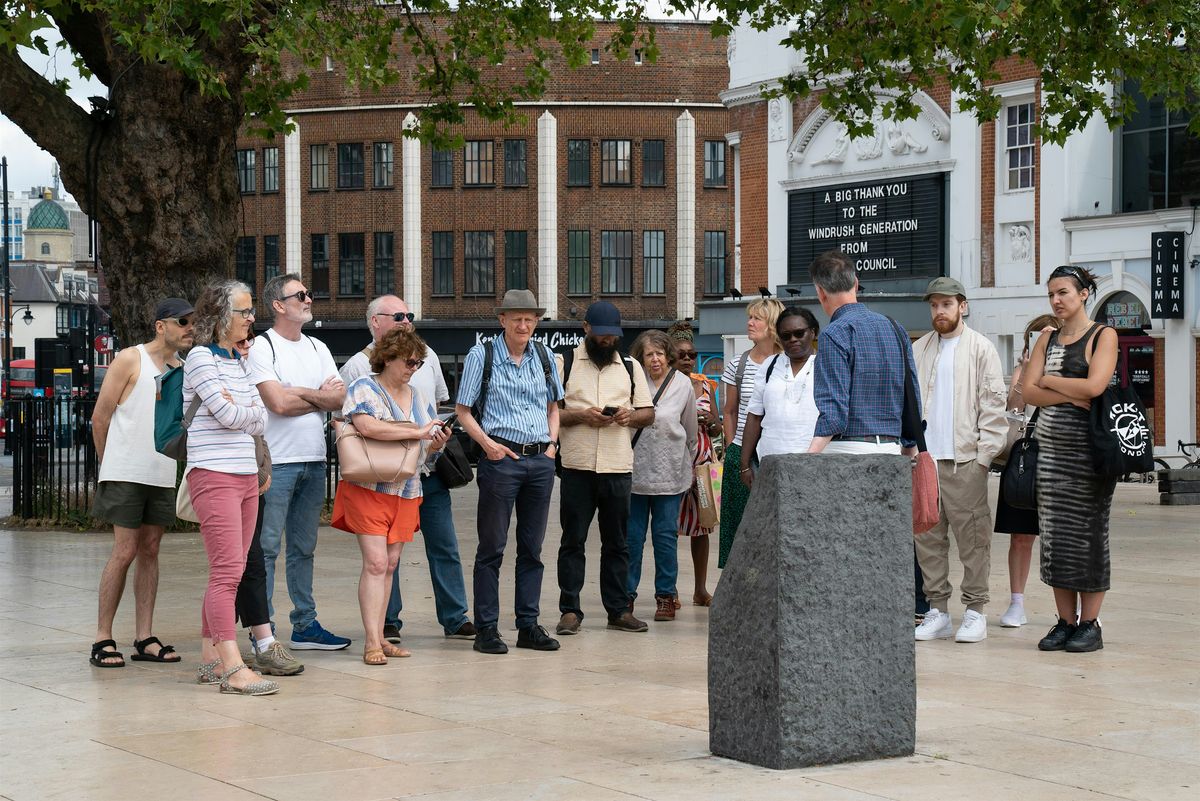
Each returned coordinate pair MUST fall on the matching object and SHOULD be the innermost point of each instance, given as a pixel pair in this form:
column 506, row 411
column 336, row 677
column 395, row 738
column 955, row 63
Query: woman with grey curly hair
column 222, row 471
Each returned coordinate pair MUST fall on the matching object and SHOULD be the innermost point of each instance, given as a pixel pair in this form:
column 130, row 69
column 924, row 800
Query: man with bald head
column 437, row 519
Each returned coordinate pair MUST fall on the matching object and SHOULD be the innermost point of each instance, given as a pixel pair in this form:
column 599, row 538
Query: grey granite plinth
column 810, row 644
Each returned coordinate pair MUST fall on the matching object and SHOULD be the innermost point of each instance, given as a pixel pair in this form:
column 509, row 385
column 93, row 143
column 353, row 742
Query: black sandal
column 99, row 654
column 163, row 651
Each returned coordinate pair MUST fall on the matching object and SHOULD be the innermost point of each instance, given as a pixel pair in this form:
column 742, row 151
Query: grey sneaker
column 276, row 661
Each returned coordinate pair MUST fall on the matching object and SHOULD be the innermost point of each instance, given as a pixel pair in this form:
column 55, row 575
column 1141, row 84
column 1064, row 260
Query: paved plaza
column 610, row 716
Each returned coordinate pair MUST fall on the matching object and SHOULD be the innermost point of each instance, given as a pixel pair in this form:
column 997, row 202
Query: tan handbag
column 374, row 461
column 708, row 494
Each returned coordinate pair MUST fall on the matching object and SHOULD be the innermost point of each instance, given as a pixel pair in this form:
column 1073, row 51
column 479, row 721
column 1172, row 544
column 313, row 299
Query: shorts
column 131, row 505
column 359, row 510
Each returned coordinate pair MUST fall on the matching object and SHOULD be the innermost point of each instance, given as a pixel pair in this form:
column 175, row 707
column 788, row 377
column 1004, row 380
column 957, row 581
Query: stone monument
column 810, row 644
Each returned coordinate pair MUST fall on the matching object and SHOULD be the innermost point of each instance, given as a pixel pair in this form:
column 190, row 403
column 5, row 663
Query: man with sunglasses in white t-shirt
column 385, row 313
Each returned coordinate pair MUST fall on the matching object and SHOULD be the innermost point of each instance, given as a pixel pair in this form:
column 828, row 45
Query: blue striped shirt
column 858, row 377
column 221, row 436
column 517, row 396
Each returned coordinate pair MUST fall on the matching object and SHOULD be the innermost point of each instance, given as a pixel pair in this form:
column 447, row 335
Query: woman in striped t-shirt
column 223, row 470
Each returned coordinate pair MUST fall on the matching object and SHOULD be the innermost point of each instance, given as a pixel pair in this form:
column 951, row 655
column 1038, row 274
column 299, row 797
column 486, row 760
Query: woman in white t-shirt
column 737, row 385
column 782, row 413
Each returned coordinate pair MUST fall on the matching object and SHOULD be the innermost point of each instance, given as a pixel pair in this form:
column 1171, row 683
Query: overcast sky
column 29, row 165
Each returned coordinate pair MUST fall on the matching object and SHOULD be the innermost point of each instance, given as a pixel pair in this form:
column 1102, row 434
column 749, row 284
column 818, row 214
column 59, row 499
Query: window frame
column 579, row 265
column 351, row 176
column 246, row 171
column 579, row 164
column 318, row 167
column 352, row 267
column 712, row 147
column 612, row 160
column 271, row 243
column 516, row 259
column 319, row 268
column 475, row 162
column 384, row 265
column 443, row 263
column 616, row 268
column 1172, row 123
column 661, row 161
column 270, row 184
column 442, row 167
column 478, row 279
column 516, row 169
column 376, row 163
column 711, row 260
column 1029, row 146
column 654, row 263
column 245, row 256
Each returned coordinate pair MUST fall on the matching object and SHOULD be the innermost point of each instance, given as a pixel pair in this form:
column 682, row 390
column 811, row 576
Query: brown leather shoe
column 666, row 608
column 569, row 624
column 626, row 622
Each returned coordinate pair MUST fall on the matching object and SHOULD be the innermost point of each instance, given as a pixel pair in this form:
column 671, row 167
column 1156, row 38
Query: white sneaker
column 1014, row 617
column 936, row 626
column 973, row 628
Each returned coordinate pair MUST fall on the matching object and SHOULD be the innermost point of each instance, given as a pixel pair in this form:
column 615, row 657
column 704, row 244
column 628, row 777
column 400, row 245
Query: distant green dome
column 48, row 214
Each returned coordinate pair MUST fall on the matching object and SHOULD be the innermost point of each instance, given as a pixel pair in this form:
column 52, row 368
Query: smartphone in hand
column 449, row 422
column 608, row 411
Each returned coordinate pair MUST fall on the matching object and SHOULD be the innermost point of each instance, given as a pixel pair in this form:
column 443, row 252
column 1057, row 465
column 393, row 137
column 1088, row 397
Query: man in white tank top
column 137, row 483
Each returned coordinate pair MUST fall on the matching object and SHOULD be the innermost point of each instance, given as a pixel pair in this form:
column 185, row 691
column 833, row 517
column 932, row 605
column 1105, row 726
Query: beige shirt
column 608, row 449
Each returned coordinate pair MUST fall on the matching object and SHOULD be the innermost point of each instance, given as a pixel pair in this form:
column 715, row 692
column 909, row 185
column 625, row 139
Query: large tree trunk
column 159, row 178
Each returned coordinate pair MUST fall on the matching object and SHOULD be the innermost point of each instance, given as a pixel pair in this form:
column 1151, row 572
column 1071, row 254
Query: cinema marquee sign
column 892, row 229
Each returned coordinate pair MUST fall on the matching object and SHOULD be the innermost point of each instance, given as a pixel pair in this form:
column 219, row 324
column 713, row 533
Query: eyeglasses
column 182, row 322
column 688, row 355
column 787, row 336
column 301, row 296
column 414, row 364
column 246, row 313
column 398, row 316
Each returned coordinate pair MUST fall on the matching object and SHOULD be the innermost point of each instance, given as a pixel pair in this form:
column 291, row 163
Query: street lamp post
column 7, row 310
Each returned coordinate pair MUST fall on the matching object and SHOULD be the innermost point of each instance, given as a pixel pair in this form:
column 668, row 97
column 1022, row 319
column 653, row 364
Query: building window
column 350, row 166
column 45, row 248
column 579, row 162
column 270, row 257
column 654, row 170
column 714, row 262
column 478, row 162
column 62, row 320
column 479, row 262
column 382, row 174
column 714, row 163
column 615, row 162
column 320, row 265
column 1158, row 156
column 616, row 262
column 329, row 63
column 1018, row 146
column 318, row 171
column 654, row 262
column 595, row 55
column 579, row 262
column 385, row 263
column 516, row 260
column 270, row 169
column 245, row 171
column 443, row 262
column 637, row 57
column 351, row 265
column 514, row 162
column 244, row 261
column 443, row 167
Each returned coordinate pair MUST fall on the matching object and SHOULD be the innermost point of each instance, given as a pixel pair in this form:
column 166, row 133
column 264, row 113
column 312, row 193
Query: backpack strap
column 543, row 353
column 267, row 336
column 770, row 368
column 485, row 380
column 568, row 360
column 741, row 371
column 628, row 362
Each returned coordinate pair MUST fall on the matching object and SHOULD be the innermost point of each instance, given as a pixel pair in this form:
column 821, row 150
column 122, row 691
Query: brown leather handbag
column 374, row 461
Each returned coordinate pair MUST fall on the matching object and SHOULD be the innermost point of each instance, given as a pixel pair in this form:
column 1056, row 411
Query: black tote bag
column 1019, row 478
column 1120, row 430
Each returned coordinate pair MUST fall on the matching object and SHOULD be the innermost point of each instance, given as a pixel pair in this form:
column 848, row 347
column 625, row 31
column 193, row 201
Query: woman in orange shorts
column 383, row 406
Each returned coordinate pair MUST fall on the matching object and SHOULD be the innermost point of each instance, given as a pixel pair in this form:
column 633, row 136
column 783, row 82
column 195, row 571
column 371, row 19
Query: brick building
column 612, row 185
column 986, row 203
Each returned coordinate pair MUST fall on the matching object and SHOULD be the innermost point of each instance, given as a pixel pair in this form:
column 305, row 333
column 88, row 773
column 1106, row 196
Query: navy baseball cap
column 604, row 319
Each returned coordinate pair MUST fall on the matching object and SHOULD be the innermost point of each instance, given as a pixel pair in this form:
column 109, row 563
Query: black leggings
column 251, row 603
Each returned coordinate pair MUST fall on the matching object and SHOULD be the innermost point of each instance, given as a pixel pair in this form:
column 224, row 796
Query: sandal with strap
column 99, row 654
column 261, row 687
column 393, row 650
column 207, row 672
column 702, row 600
column 374, row 656
column 164, row 651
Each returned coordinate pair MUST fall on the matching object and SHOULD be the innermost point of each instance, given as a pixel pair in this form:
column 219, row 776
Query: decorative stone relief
column 776, row 129
column 841, row 146
column 870, row 147
column 1020, row 243
column 731, row 46
column 901, row 142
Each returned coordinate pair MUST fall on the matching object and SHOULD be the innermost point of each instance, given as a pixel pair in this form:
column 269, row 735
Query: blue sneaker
column 316, row 638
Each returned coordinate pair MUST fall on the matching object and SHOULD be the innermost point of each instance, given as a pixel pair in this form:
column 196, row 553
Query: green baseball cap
column 944, row 285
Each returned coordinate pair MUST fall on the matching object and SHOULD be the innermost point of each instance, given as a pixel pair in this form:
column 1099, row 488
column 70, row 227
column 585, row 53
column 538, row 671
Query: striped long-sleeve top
column 221, row 436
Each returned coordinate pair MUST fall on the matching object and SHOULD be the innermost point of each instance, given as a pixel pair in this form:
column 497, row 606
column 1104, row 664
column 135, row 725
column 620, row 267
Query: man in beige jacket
column 962, row 393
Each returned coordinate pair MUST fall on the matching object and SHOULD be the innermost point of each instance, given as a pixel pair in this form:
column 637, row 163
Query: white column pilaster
column 292, row 223
column 778, row 168
column 685, row 216
column 734, row 140
column 547, row 196
column 411, row 202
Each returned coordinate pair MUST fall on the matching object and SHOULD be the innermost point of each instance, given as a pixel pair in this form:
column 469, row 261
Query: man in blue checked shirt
column 858, row 376
column 508, row 404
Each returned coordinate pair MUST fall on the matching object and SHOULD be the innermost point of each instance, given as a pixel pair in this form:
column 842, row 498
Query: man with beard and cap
column 136, row 492
column 605, row 399
column 962, row 393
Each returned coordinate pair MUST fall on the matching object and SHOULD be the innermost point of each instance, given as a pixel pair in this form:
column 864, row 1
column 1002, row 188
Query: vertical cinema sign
column 1166, row 275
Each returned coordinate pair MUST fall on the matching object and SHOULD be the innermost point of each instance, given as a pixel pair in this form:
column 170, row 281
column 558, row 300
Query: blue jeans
column 526, row 485
column 441, row 551
column 293, row 503
column 662, row 513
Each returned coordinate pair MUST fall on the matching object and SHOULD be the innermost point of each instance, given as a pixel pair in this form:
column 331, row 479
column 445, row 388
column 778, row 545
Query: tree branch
column 88, row 34
column 44, row 112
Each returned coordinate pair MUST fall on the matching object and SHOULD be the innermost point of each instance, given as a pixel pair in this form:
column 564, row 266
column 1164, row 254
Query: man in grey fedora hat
column 508, row 404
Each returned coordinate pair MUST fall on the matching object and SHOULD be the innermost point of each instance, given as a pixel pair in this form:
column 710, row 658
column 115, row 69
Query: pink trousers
column 227, row 506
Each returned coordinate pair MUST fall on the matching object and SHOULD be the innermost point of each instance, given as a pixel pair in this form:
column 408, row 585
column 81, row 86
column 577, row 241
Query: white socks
column 261, row 646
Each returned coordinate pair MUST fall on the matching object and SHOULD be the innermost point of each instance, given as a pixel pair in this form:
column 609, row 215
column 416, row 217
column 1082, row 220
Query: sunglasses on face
column 182, row 322
column 414, row 364
column 691, row 357
column 399, row 317
column 301, row 296
column 787, row 336
column 246, row 313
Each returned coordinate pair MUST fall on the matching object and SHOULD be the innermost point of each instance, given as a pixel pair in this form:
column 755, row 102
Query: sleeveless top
column 129, row 453
column 1069, row 361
